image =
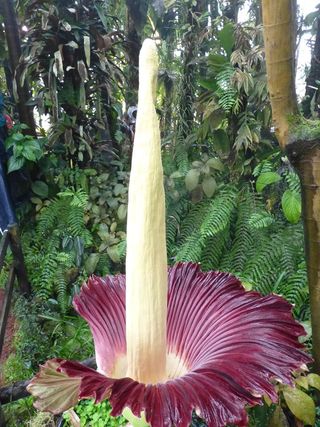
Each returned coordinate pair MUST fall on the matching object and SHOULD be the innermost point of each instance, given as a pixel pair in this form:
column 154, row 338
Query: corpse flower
column 170, row 341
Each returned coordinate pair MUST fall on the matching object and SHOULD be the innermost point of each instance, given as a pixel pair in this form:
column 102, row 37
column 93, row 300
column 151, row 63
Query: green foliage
column 23, row 148
column 43, row 333
column 77, row 62
column 265, row 179
column 302, row 129
column 56, row 246
column 226, row 92
column 71, row 55
column 283, row 184
column 200, row 180
column 234, row 100
column 204, row 221
column 291, row 206
column 20, row 413
column 31, row 342
column 96, row 415
column 234, row 232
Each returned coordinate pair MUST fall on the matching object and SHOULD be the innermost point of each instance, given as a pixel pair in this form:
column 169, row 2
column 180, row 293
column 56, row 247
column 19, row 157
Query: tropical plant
column 139, row 369
column 56, row 248
column 23, row 148
column 71, row 53
column 96, row 415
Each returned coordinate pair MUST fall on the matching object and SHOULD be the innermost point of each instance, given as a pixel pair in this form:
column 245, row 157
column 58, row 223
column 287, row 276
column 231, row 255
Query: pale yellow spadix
column 146, row 262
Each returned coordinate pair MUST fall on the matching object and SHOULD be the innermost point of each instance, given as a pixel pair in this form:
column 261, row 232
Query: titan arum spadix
column 171, row 340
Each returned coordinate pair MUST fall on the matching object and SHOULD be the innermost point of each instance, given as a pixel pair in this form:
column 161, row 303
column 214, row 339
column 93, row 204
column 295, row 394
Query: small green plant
column 200, row 179
column 23, row 148
column 98, row 415
column 55, row 248
column 283, row 185
column 18, row 414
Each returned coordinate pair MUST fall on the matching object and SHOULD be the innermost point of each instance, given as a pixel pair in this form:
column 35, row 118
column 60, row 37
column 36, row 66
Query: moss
column 301, row 129
column 41, row 419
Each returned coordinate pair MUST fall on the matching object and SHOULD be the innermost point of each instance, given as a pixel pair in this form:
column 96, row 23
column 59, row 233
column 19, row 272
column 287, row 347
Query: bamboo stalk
column 279, row 40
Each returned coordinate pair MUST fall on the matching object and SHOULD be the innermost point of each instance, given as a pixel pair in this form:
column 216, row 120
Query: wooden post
column 2, row 419
column 18, row 257
column 5, row 309
column 3, row 247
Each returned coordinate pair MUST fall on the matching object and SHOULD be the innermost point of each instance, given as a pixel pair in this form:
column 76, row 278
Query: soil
column 7, row 347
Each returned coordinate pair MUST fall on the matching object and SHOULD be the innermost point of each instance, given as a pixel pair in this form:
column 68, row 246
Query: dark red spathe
column 232, row 343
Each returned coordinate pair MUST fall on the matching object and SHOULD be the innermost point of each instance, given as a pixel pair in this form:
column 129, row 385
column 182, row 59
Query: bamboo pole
column 279, row 40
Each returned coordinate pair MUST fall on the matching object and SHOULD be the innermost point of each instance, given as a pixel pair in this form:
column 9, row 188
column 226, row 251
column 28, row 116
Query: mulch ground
column 7, row 347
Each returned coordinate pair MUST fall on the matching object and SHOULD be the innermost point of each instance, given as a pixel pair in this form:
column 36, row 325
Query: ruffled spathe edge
column 233, row 343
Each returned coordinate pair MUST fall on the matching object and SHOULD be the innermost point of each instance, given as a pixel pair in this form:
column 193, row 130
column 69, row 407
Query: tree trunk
column 136, row 19
column 191, row 47
column 305, row 157
column 304, row 153
column 230, row 9
column 14, row 49
column 279, row 39
column 313, row 76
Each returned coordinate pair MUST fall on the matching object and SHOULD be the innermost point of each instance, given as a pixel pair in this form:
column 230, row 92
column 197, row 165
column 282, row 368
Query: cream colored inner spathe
column 175, row 367
column 146, row 261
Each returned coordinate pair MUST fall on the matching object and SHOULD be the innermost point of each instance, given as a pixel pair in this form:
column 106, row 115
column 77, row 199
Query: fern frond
column 264, row 266
column 243, row 236
column 265, row 166
column 194, row 219
column 191, row 249
column 61, row 289
column 103, row 265
column 44, row 288
column 213, row 249
column 219, row 214
column 295, row 290
column 261, row 220
column 293, row 182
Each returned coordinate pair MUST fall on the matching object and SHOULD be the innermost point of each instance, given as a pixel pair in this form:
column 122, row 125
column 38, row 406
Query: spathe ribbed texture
column 232, row 343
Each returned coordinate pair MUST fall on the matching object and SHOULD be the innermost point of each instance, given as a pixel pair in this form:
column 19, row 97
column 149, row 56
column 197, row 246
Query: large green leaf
column 215, row 163
column 122, row 212
column 15, row 163
column 102, row 16
column 29, row 153
column 278, row 418
column 226, row 37
column 265, row 179
column 300, row 404
column 192, row 179
column 291, row 205
column 91, row 263
column 87, row 51
column 40, row 188
column 221, row 141
column 209, row 186
column 314, row 381
column 217, row 61
column 208, row 84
